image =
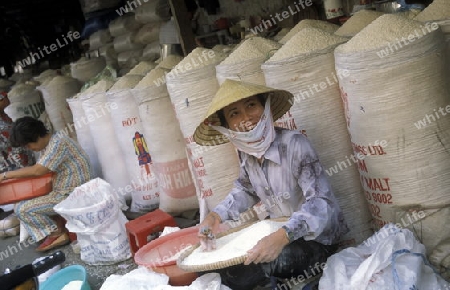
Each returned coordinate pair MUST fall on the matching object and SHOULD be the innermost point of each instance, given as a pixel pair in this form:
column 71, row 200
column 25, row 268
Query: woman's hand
column 207, row 230
column 211, row 221
column 268, row 248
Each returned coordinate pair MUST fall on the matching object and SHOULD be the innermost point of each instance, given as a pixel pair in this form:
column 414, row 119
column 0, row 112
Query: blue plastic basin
column 64, row 276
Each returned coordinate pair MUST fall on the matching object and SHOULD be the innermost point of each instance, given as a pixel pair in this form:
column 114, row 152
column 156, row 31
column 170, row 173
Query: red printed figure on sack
column 141, row 150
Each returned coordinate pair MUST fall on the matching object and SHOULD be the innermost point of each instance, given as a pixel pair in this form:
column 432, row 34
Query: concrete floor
column 15, row 255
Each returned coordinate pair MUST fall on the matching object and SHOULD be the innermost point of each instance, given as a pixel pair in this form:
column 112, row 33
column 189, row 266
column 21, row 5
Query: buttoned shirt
column 291, row 183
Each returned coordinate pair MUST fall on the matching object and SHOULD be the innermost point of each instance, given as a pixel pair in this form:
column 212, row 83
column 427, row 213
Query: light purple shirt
column 292, row 183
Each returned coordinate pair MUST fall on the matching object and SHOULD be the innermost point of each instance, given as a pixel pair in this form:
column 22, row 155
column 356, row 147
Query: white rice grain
column 386, row 29
column 142, row 68
column 357, row 22
column 154, row 78
column 126, row 82
column 222, row 48
column 309, row 23
column 306, row 41
column 252, row 48
column 437, row 10
column 170, row 62
column 73, row 285
column 200, row 57
column 233, row 245
column 100, row 87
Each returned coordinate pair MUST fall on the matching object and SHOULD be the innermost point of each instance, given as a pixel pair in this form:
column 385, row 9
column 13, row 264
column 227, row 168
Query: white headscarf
column 256, row 141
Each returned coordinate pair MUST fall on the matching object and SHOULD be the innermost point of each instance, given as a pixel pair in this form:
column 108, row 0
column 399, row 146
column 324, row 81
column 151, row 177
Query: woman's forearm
column 30, row 171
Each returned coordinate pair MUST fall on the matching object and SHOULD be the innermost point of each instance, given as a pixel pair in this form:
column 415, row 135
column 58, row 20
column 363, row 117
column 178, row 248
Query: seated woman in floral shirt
column 70, row 165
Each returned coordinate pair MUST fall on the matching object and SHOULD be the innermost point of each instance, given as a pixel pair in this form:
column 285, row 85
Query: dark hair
column 261, row 98
column 26, row 130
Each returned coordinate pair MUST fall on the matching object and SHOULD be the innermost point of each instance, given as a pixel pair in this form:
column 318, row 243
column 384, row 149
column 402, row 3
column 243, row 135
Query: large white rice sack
column 305, row 67
column 166, row 144
column 399, row 92
column 215, row 168
column 25, row 100
column 85, row 69
column 99, row 110
column 130, row 135
column 55, row 94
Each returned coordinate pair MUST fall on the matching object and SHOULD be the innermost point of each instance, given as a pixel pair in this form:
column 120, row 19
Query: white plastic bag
column 93, row 212
column 390, row 259
column 210, row 281
column 138, row 279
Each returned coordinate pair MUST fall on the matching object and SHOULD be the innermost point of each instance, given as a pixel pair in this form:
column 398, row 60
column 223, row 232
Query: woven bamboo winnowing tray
column 218, row 264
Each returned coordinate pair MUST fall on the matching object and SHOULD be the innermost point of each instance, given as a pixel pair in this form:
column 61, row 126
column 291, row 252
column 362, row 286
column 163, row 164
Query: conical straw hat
column 232, row 91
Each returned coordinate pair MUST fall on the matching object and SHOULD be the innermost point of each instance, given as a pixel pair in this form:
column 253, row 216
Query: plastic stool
column 139, row 229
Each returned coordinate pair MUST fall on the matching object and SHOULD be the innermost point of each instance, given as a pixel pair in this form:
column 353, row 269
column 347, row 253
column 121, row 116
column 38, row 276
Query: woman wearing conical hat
column 280, row 169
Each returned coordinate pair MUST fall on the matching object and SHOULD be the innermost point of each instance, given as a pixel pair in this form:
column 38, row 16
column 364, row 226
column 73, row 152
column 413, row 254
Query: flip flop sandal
column 52, row 242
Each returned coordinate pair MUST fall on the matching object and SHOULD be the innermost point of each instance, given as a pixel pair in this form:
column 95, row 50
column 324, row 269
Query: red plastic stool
column 139, row 229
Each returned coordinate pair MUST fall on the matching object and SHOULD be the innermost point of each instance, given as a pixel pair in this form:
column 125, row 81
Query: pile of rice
column 252, row 48
column 197, row 59
column 386, row 29
column 170, row 62
column 151, row 79
column 142, row 68
column 357, row 22
column 309, row 23
column 126, row 82
column 233, row 245
column 100, row 87
column 437, row 10
column 306, row 41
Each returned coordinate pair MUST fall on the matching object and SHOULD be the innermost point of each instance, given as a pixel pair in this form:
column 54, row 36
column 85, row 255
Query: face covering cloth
column 256, row 141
